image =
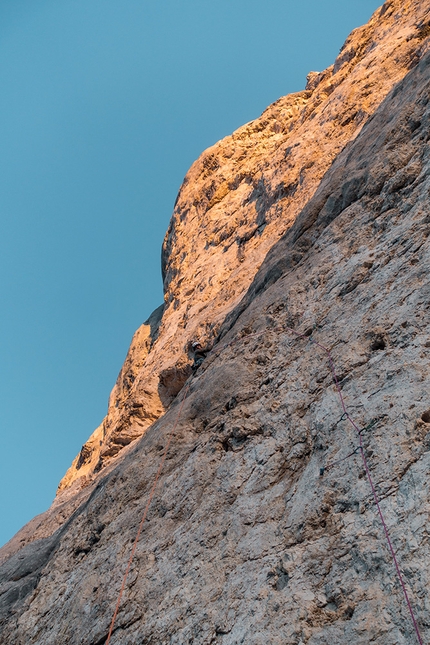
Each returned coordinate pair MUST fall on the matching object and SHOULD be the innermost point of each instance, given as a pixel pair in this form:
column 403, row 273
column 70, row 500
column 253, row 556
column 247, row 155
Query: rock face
column 236, row 201
column 314, row 218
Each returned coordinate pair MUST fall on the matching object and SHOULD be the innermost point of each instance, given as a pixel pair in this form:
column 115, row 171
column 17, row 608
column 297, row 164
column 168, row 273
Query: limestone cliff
column 316, row 218
column 236, row 201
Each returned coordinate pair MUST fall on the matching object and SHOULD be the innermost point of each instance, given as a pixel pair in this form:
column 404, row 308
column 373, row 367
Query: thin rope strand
column 145, row 513
column 361, row 447
column 369, row 477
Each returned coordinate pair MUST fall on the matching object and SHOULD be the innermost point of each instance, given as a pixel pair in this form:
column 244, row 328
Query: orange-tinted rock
column 237, row 200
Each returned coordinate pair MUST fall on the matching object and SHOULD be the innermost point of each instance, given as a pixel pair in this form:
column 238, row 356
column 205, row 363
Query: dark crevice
column 378, row 343
column 426, row 416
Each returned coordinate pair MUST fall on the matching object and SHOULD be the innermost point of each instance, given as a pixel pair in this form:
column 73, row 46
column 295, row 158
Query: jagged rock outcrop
column 245, row 541
column 236, row 201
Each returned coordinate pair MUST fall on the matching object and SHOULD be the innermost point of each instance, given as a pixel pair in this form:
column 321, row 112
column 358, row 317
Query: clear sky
column 104, row 105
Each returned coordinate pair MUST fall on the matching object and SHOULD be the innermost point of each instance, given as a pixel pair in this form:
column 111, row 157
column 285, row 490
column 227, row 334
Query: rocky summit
column 292, row 467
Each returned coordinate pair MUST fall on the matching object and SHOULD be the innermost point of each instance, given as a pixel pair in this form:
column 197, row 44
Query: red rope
column 369, row 477
column 145, row 513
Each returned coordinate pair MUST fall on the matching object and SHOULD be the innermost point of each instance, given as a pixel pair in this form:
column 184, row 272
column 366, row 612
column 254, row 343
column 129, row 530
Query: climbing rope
column 145, row 513
column 360, row 448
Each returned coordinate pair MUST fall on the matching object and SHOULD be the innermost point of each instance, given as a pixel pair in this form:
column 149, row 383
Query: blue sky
column 104, row 105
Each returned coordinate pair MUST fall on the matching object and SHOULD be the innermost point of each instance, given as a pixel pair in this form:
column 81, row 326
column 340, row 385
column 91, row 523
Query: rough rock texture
column 236, row 201
column 245, row 542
